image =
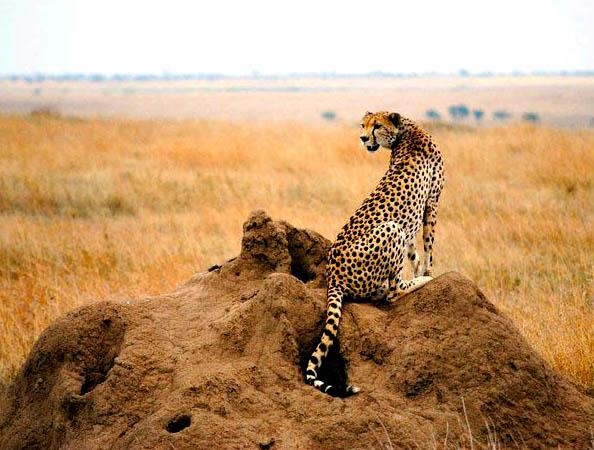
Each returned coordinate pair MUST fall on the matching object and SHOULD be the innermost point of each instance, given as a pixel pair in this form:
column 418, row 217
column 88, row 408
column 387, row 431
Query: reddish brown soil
column 216, row 364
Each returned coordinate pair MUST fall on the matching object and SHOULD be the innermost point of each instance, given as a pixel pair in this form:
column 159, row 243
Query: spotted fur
column 367, row 258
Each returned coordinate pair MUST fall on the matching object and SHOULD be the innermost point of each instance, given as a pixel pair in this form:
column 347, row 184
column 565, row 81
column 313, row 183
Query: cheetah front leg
column 414, row 259
column 429, row 221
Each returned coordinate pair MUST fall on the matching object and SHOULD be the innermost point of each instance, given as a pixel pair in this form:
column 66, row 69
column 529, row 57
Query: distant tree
column 432, row 114
column 329, row 115
column 501, row 115
column 530, row 117
column 478, row 114
column 459, row 112
column 96, row 77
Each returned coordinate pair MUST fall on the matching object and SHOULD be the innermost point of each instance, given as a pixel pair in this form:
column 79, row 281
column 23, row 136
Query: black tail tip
column 352, row 390
column 342, row 391
column 334, row 391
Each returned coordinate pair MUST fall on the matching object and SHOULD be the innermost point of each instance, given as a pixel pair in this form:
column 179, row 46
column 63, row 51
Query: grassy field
column 115, row 209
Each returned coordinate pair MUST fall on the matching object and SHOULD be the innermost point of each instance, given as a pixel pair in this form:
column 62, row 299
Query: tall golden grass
column 114, row 209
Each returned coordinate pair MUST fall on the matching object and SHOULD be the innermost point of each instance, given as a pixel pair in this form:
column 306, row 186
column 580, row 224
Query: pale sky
column 278, row 37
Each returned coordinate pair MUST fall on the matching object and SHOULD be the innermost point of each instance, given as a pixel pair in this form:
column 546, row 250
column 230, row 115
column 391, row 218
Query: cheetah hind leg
column 400, row 287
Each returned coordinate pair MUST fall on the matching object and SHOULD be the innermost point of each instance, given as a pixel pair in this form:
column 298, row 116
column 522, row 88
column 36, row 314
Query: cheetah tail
column 329, row 336
column 335, row 391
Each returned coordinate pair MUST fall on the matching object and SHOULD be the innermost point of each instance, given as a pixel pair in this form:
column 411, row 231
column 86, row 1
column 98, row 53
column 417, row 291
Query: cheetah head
column 380, row 129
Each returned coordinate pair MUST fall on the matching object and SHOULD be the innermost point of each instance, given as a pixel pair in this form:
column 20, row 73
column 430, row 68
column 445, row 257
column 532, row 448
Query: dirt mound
column 216, row 364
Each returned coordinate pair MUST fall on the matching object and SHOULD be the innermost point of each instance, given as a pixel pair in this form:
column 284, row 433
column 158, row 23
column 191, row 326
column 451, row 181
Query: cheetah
column 367, row 258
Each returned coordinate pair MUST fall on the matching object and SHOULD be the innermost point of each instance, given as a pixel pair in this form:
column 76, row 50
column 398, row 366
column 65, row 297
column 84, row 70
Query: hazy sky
column 273, row 37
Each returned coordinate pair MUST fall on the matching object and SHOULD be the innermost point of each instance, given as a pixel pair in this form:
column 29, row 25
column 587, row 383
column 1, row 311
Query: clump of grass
column 95, row 209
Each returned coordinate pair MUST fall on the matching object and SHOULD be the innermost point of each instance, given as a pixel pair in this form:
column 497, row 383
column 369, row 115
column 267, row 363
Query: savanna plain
column 94, row 209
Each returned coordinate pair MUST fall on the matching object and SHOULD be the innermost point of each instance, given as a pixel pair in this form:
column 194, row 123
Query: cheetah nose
column 364, row 139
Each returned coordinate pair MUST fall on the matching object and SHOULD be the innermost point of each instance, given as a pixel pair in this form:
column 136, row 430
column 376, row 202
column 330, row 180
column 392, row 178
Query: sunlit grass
column 94, row 209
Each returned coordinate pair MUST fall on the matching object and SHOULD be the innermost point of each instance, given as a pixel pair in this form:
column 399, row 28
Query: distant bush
column 501, row 115
column 432, row 114
column 478, row 114
column 459, row 112
column 531, row 117
column 329, row 115
column 45, row 111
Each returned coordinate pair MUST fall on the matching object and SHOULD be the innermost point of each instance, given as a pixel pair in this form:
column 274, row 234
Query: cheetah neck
column 409, row 141
column 398, row 140
column 401, row 147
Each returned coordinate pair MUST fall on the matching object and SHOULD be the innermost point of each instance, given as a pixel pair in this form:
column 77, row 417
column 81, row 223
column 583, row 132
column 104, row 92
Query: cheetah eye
column 377, row 125
column 361, row 125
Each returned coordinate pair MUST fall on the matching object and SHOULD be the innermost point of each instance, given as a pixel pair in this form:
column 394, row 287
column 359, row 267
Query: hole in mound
column 73, row 404
column 107, row 348
column 298, row 270
column 178, row 423
column 92, row 380
column 308, row 252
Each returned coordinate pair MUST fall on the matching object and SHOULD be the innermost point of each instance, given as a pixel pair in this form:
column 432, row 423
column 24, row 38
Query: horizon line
column 180, row 76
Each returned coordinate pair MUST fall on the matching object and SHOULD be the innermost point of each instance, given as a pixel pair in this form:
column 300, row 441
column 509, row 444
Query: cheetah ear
column 367, row 113
column 394, row 118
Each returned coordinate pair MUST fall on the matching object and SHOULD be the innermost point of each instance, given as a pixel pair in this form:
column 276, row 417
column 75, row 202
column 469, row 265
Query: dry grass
column 94, row 209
